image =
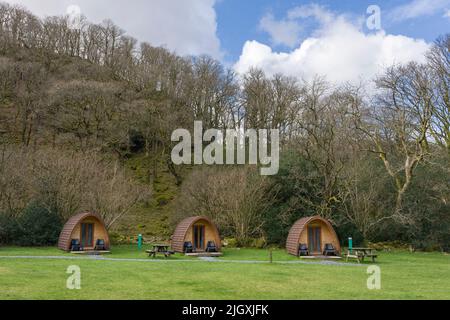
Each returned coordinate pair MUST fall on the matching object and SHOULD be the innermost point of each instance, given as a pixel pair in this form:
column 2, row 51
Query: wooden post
column 270, row 256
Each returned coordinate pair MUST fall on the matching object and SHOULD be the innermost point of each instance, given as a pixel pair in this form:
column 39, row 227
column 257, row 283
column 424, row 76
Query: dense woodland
column 83, row 110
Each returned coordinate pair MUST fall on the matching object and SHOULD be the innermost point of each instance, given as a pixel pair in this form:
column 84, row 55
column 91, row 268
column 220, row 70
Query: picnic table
column 162, row 249
column 361, row 253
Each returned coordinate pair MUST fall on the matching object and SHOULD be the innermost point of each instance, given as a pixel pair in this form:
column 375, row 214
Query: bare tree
column 84, row 110
column 235, row 198
column 361, row 187
column 66, row 182
column 325, row 135
column 271, row 103
column 439, row 63
column 398, row 125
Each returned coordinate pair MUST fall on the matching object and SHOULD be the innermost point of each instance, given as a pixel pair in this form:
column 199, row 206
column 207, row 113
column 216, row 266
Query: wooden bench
column 357, row 256
column 153, row 253
column 160, row 249
column 373, row 256
column 361, row 253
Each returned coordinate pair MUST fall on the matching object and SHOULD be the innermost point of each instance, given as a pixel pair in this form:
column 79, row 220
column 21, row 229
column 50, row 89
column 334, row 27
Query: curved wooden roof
column 179, row 235
column 66, row 233
column 293, row 239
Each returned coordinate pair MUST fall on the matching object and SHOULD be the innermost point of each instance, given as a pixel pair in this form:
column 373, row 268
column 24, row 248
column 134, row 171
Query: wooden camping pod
column 299, row 234
column 184, row 232
column 73, row 230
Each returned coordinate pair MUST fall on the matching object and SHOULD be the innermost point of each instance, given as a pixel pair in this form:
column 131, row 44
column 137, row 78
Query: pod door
column 199, row 237
column 315, row 240
column 87, row 235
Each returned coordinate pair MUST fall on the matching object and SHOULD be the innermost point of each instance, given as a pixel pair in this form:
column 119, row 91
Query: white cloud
column 187, row 27
column 283, row 32
column 418, row 8
column 447, row 14
column 338, row 49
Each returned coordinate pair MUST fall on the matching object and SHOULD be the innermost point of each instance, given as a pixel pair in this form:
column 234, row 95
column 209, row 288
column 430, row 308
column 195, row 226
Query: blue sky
column 238, row 21
column 297, row 38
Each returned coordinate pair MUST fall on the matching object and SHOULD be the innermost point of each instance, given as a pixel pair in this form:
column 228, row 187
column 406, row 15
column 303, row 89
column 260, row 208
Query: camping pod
column 86, row 229
column 198, row 232
column 313, row 234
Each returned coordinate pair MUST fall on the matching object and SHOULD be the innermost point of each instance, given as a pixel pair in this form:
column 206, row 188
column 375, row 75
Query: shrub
column 259, row 243
column 37, row 226
column 8, row 229
column 230, row 243
column 389, row 245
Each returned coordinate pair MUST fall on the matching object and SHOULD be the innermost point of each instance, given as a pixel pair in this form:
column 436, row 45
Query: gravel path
column 209, row 260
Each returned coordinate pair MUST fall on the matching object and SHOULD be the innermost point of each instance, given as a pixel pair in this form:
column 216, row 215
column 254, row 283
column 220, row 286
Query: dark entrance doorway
column 87, row 235
column 315, row 240
column 199, row 237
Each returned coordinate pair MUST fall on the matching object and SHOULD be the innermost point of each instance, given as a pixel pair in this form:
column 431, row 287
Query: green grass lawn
column 404, row 275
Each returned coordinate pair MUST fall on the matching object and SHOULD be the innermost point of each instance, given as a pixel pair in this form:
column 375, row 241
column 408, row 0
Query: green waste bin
column 350, row 244
column 140, row 241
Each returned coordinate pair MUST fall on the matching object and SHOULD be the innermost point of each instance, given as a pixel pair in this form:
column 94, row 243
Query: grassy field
column 404, row 275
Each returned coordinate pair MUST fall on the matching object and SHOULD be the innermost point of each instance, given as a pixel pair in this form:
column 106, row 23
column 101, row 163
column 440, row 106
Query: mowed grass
column 404, row 275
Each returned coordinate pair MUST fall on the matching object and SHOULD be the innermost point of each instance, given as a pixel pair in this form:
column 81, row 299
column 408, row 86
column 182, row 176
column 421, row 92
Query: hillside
column 152, row 218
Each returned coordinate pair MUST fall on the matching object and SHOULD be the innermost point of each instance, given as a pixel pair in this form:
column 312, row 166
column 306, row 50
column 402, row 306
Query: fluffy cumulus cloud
column 283, row 32
column 338, row 49
column 187, row 27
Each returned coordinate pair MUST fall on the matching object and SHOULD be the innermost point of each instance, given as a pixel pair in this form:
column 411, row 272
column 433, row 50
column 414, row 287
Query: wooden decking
column 90, row 252
column 321, row 257
column 205, row 254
